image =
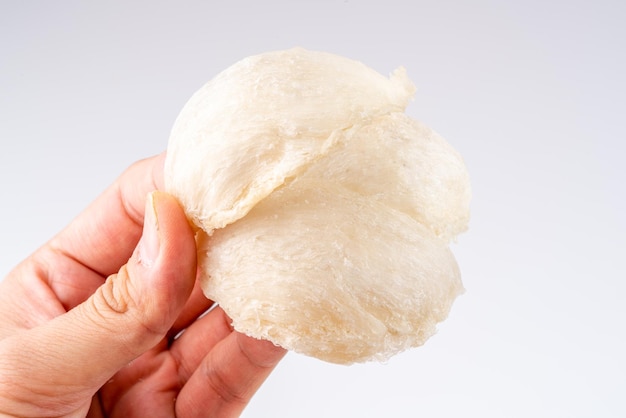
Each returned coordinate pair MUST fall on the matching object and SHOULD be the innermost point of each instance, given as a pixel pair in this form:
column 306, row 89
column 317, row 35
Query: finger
column 198, row 340
column 228, row 377
column 68, row 269
column 103, row 237
column 76, row 353
column 195, row 306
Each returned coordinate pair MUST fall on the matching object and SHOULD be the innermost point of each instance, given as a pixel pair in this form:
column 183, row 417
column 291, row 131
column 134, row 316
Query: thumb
column 128, row 315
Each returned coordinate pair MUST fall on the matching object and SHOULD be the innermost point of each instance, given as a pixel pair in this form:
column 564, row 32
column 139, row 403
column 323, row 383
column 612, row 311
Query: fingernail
column 149, row 242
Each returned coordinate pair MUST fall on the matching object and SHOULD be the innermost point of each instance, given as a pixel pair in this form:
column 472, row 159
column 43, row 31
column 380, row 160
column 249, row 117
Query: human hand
column 88, row 322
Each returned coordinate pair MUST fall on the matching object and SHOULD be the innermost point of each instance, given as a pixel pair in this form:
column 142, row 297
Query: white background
column 532, row 93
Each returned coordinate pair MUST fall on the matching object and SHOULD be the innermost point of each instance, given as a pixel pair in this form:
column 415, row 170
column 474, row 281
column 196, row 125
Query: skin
column 90, row 323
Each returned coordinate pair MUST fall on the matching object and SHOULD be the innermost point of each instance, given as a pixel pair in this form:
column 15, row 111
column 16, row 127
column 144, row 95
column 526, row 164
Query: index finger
column 103, row 237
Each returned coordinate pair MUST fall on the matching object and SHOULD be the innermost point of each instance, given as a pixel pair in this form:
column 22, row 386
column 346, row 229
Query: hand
column 84, row 330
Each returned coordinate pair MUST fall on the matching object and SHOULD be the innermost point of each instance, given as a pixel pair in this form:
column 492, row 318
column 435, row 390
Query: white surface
column 531, row 93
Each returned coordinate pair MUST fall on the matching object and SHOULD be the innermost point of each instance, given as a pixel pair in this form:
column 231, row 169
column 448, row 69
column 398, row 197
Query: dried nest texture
column 324, row 212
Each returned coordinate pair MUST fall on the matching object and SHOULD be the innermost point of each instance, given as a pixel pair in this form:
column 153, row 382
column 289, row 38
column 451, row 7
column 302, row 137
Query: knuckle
column 122, row 307
column 109, row 310
column 114, row 295
column 224, row 387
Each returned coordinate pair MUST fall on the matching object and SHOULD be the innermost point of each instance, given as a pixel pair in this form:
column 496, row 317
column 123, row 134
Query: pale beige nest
column 325, row 211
